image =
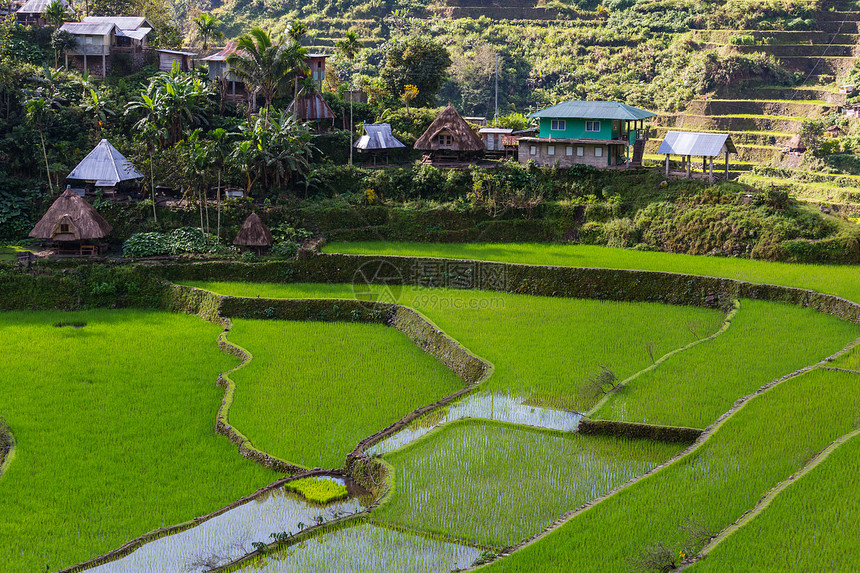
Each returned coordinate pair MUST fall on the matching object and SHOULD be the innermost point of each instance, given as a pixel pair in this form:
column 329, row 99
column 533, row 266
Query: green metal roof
column 594, row 110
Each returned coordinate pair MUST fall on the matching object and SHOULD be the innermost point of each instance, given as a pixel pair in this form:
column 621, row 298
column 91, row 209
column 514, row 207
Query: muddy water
column 229, row 536
column 498, row 407
column 367, row 547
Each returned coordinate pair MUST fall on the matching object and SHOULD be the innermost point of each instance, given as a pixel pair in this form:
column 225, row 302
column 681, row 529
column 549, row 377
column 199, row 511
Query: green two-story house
column 598, row 133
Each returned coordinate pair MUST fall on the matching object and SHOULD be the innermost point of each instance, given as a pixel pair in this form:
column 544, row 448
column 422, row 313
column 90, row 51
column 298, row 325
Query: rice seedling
column 695, row 387
column 496, row 484
column 568, row 339
column 231, row 535
column 811, row 526
column 367, row 547
column 840, row 280
column 313, row 390
column 849, row 360
column 767, row 440
column 113, row 425
column 502, row 408
column 318, row 490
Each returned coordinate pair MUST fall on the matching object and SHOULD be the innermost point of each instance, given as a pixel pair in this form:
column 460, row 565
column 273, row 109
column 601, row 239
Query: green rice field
column 771, row 437
column 569, row 339
column 313, row 390
column 840, row 280
column 470, row 479
column 811, row 526
column 693, row 388
column 113, row 422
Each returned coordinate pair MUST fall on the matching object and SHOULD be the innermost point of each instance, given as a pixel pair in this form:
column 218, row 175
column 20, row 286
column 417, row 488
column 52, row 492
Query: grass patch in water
column 318, row 490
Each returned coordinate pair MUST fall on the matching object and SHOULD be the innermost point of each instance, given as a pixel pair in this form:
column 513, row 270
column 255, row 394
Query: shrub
column 179, row 241
column 317, row 490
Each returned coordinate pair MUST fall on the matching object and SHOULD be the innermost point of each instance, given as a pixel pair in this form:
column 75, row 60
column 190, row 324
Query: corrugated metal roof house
column 31, row 12
column 377, row 137
column 688, row 144
column 105, row 166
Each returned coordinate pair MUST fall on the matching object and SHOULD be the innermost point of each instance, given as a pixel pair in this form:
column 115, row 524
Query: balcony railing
column 89, row 50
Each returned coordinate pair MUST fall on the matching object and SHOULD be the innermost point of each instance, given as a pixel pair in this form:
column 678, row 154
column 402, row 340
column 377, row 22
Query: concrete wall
column 566, row 154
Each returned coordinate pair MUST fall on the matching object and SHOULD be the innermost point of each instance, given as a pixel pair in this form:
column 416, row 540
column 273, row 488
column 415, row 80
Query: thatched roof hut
column 71, row 218
column 796, row 144
column 449, row 132
column 254, row 234
column 834, row 131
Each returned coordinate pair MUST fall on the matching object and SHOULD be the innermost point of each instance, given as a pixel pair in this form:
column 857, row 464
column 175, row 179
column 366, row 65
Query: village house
column 30, row 13
column 597, row 133
column 100, row 39
column 311, row 108
column 449, row 135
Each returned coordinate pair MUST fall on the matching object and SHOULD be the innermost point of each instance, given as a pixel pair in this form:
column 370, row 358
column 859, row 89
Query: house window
column 568, row 150
column 557, row 125
column 550, row 150
column 64, row 228
column 446, row 140
column 580, row 151
column 598, row 152
column 592, row 126
column 533, row 150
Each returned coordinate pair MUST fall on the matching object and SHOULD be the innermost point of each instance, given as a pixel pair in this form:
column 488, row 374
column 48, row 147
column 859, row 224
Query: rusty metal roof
column 311, row 108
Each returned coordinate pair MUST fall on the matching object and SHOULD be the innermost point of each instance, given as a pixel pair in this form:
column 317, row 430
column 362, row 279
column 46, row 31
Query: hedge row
column 638, row 431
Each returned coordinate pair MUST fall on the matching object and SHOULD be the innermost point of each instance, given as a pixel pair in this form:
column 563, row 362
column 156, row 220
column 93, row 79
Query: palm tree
column 56, row 13
column 38, row 114
column 207, row 28
column 296, row 31
column 296, row 61
column 221, row 145
column 259, row 62
column 348, row 48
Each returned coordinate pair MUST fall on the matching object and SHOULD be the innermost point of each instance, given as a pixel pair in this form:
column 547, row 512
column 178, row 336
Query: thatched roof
column 253, row 233
column 71, row 218
column 105, row 165
column 796, row 143
column 834, row 131
column 449, row 122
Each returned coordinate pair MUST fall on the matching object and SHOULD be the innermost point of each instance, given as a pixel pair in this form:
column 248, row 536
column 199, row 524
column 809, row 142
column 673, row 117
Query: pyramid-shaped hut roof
column 71, row 218
column 106, row 166
column 253, row 233
column 465, row 139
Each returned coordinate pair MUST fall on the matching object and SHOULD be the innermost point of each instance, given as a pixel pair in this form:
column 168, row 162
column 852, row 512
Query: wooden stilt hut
column 73, row 225
column 449, row 134
column 689, row 144
column 254, row 235
column 377, row 139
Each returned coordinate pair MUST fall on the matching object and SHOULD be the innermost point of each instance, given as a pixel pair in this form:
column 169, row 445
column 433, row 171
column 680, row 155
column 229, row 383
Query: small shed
column 493, row 136
column 254, row 234
column 312, row 108
column 377, row 138
column 449, row 133
column 167, row 58
column 795, row 145
column 705, row 145
column 104, row 166
column 73, row 224
column 834, row 131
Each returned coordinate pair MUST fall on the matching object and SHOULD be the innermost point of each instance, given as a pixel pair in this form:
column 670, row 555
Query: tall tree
column 56, row 13
column 259, row 62
column 207, row 28
column 417, row 60
column 348, row 47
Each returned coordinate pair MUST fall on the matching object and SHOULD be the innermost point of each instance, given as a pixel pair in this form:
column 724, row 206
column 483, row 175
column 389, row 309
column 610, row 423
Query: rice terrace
column 515, row 407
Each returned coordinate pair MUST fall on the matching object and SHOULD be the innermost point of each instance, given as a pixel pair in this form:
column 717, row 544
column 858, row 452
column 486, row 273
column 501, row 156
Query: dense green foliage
column 177, row 242
column 770, row 438
column 113, row 424
column 313, row 390
column 565, row 349
column 837, row 280
column 693, row 388
column 472, row 479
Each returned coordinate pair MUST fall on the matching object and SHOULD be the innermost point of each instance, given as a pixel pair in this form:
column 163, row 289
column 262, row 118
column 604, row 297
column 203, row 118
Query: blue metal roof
column 696, row 143
column 594, row 110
